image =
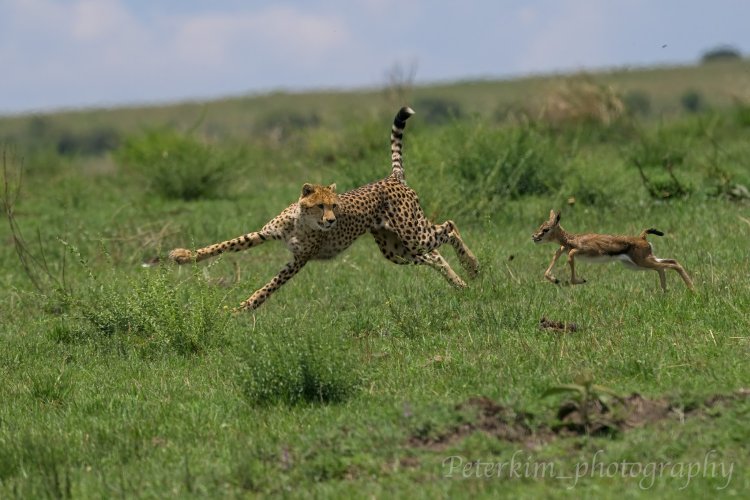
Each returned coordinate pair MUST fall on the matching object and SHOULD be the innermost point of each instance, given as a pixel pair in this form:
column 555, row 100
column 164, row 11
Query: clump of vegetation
column 437, row 110
column 178, row 166
column 693, row 101
column 280, row 125
column 721, row 53
column 94, row 142
column 399, row 83
column 637, row 102
column 722, row 182
column 581, row 100
column 148, row 313
column 503, row 163
column 585, row 396
column 742, row 113
column 656, row 158
column 318, row 367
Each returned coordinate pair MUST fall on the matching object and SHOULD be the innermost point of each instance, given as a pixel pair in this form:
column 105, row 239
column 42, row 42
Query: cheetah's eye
column 320, row 206
column 335, row 206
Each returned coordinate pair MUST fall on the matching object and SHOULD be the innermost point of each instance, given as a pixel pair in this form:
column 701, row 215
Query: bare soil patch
column 599, row 419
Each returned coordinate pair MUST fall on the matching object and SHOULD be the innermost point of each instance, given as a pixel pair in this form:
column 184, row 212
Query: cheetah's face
column 318, row 206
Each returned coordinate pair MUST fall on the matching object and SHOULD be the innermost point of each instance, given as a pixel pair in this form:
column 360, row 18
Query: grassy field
column 362, row 378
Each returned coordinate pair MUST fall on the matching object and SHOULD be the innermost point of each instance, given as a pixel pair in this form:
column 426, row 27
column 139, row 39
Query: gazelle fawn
column 633, row 251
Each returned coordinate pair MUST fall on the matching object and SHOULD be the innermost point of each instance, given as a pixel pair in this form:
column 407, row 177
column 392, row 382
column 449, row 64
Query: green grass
column 120, row 380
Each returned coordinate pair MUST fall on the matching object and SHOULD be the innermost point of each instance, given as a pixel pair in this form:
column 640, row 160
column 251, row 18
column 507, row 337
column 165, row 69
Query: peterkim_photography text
column 522, row 465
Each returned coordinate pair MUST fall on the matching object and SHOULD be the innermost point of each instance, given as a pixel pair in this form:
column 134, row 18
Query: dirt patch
column 607, row 419
column 598, row 419
column 487, row 416
column 557, row 326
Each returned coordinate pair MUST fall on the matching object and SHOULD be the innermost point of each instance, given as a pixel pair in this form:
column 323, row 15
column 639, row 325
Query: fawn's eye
column 545, row 230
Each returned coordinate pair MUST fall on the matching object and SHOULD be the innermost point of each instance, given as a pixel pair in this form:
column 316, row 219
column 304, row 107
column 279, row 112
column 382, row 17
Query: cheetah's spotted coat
column 321, row 224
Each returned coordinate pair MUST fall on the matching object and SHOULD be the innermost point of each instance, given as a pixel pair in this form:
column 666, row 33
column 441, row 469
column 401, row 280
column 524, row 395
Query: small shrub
column 637, row 102
column 147, row 313
column 178, row 166
column 399, row 83
column 580, row 190
column 581, row 100
column 721, row 53
column 500, row 164
column 94, row 142
column 315, row 367
column 437, row 110
column 693, row 101
column 280, row 125
column 742, row 113
column 656, row 158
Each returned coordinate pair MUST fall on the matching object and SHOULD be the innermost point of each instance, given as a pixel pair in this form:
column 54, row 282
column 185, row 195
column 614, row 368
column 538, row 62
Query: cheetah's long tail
column 397, row 134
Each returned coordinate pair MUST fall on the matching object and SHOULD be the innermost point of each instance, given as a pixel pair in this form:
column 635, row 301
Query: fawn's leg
column 661, row 264
column 571, row 261
column 548, row 273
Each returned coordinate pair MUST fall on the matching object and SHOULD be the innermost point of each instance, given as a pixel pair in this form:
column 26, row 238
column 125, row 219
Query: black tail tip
column 654, row 231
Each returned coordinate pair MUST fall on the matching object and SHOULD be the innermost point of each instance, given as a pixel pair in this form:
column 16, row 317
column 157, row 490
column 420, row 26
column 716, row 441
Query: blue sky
column 81, row 53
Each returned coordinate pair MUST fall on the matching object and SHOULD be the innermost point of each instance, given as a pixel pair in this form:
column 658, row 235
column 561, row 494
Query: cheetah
column 322, row 224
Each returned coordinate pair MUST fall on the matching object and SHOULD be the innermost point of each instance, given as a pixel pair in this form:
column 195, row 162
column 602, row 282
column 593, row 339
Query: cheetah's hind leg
column 394, row 250
column 465, row 255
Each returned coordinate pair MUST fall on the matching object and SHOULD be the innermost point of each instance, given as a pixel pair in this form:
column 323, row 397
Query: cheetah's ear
column 332, row 187
column 307, row 189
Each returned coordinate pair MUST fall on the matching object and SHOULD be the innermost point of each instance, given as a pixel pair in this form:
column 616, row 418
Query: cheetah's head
column 318, row 205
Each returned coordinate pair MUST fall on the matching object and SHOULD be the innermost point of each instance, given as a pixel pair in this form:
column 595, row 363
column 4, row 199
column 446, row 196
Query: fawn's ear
column 332, row 187
column 552, row 214
column 307, row 189
column 557, row 218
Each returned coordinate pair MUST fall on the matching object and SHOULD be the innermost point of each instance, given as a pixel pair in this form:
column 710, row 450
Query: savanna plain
column 124, row 375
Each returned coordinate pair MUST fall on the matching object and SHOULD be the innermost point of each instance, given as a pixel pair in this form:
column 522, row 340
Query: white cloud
column 96, row 20
column 100, row 52
column 277, row 32
column 573, row 35
column 103, row 52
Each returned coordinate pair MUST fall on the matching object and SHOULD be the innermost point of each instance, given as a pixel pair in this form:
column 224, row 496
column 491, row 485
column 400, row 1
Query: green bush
column 721, row 53
column 693, row 101
column 637, row 102
column 280, row 125
column 656, row 157
column 147, row 313
column 93, row 142
column 742, row 114
column 292, row 368
column 437, row 110
column 178, row 166
column 497, row 164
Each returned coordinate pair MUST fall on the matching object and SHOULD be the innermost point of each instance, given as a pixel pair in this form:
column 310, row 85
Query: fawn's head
column 549, row 229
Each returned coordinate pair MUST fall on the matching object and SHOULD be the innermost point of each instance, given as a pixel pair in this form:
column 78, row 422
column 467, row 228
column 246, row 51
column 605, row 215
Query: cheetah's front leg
column 185, row 256
column 262, row 294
